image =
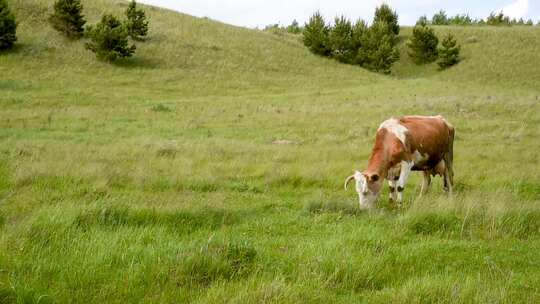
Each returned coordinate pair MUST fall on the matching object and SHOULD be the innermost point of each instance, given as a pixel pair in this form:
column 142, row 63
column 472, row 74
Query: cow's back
column 428, row 138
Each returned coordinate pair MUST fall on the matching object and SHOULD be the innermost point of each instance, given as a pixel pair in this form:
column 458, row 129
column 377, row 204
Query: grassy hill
column 209, row 168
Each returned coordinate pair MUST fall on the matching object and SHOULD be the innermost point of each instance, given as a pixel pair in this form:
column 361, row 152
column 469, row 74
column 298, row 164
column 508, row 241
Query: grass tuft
column 215, row 261
column 179, row 221
column 333, row 206
column 432, row 223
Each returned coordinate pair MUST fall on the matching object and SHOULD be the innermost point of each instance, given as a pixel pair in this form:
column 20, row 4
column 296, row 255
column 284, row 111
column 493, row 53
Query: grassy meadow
column 209, row 168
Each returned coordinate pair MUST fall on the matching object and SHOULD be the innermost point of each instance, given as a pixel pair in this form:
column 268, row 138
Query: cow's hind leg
column 426, row 181
column 449, row 164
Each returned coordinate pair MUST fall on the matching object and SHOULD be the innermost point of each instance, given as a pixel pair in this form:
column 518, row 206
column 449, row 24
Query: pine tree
column 358, row 32
column 449, row 52
column 423, row 20
column 109, row 39
column 67, row 18
column 340, row 40
column 423, row 44
column 378, row 52
column 440, row 18
column 385, row 14
column 136, row 24
column 8, row 27
column 294, row 28
column 316, row 35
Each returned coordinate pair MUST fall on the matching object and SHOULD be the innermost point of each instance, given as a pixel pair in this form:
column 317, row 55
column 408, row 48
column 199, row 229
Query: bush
column 340, row 40
column 358, row 32
column 316, row 35
column 423, row 20
column 294, row 28
column 386, row 15
column 449, row 52
column 67, row 18
column 440, row 18
column 464, row 19
column 423, row 45
column 378, row 51
column 136, row 24
column 8, row 27
column 109, row 39
column 498, row 19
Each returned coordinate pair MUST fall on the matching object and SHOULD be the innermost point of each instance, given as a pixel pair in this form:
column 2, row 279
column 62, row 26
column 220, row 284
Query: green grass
column 209, row 168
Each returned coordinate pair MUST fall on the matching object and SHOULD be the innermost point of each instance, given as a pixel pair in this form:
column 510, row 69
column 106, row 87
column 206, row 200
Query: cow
column 405, row 144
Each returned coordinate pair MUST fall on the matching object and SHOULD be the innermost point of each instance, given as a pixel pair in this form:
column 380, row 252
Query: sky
column 259, row 13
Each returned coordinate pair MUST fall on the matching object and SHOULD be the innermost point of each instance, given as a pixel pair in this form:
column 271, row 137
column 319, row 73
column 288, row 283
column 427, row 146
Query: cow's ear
column 374, row 177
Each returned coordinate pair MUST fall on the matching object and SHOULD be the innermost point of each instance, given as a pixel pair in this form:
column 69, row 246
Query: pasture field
column 209, row 168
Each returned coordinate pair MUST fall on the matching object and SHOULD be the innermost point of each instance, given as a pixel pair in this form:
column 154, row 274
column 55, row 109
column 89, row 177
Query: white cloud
column 518, row 9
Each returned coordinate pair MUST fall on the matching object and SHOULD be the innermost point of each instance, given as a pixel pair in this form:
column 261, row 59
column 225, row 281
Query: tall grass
column 210, row 169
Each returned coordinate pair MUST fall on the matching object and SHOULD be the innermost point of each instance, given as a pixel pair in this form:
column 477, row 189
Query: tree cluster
column 441, row 18
column 423, row 46
column 8, row 27
column 373, row 47
column 109, row 38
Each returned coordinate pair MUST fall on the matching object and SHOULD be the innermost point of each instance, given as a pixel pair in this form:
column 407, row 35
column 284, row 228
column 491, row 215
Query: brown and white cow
column 402, row 145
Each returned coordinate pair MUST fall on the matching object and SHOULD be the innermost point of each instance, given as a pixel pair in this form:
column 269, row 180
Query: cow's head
column 368, row 186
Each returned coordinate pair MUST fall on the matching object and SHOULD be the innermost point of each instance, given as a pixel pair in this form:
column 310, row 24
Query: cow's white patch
column 393, row 126
column 418, row 158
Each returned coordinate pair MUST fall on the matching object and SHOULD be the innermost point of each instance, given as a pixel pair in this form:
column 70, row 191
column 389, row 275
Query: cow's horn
column 348, row 180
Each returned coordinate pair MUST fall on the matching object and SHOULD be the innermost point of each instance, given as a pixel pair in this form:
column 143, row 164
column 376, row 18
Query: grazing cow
column 419, row 143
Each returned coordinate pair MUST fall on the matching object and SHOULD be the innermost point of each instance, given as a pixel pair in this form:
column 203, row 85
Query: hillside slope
column 209, row 168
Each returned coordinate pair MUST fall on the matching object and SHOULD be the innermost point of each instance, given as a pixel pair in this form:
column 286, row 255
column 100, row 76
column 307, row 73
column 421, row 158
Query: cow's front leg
column 392, row 185
column 406, row 168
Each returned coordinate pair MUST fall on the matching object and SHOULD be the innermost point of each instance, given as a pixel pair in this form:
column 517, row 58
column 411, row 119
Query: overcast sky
column 258, row 13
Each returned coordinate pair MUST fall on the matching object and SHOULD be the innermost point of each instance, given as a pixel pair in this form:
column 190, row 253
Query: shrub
column 136, row 24
column 67, row 18
column 449, row 52
column 498, row 19
column 359, row 30
column 316, row 35
column 340, row 40
column 294, row 28
column 440, row 18
column 464, row 19
column 8, row 27
column 378, row 51
column 386, row 15
column 109, row 39
column 423, row 20
column 423, row 44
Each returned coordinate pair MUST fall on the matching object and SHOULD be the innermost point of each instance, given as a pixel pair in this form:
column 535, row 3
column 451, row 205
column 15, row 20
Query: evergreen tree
column 440, row 18
column 378, row 51
column 67, row 18
column 340, row 40
column 385, row 14
column 294, row 28
column 316, row 35
column 136, row 24
column 449, row 52
column 529, row 22
column 8, row 27
column 423, row 20
column 423, row 44
column 109, row 39
column 498, row 19
column 358, row 32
